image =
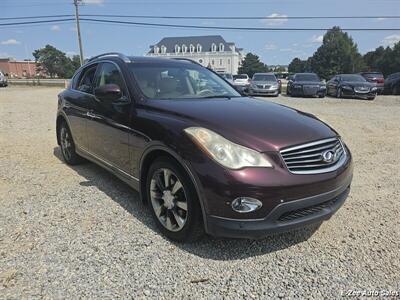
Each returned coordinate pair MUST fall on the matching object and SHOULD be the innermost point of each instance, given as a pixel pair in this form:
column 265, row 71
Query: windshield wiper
column 218, row 96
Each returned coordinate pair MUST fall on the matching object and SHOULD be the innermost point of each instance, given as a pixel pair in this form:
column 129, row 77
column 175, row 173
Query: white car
column 228, row 77
column 3, row 79
column 241, row 80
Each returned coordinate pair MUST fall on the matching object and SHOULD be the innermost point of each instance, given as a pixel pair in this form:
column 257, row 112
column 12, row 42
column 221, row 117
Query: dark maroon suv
column 202, row 156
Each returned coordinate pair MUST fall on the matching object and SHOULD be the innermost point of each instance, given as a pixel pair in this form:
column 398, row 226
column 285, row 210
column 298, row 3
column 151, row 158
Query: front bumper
column 271, row 92
column 352, row 93
column 284, row 217
column 279, row 191
column 307, row 92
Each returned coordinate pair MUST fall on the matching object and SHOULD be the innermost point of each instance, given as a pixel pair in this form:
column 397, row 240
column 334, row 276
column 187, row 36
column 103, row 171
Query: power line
column 37, row 22
column 36, row 17
column 205, row 17
column 193, row 26
column 232, row 28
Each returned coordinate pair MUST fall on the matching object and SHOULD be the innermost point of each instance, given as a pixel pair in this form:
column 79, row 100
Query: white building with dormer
column 211, row 51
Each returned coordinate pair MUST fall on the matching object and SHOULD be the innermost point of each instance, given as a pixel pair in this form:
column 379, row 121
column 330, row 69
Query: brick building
column 17, row 68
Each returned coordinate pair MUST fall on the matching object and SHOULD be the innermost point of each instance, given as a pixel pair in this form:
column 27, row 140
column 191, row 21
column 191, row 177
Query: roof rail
column 187, row 59
column 116, row 54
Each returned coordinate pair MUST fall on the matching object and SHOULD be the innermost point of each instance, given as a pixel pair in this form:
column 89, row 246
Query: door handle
column 90, row 115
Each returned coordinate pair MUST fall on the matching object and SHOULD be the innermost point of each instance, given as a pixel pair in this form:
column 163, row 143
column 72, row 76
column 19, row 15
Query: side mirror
column 108, row 93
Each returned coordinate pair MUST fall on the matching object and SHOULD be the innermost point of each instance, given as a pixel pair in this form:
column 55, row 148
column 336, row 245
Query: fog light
column 245, row 204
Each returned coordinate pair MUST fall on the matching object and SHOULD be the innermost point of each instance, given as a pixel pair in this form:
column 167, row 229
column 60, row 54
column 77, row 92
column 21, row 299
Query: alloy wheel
column 66, row 143
column 168, row 199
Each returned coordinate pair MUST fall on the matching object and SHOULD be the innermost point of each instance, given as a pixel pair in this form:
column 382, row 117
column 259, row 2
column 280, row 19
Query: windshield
column 178, row 81
column 307, row 77
column 266, row 77
column 354, row 78
column 240, row 76
column 227, row 76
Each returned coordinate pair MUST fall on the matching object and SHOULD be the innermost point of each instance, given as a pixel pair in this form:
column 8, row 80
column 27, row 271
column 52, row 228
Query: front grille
column 310, row 89
column 306, row 211
column 316, row 157
column 261, row 86
column 361, row 89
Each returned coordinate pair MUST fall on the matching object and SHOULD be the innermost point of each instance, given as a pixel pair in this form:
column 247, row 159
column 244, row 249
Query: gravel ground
column 81, row 233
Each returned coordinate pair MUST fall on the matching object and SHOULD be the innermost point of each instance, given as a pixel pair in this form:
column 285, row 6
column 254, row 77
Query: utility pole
column 78, row 29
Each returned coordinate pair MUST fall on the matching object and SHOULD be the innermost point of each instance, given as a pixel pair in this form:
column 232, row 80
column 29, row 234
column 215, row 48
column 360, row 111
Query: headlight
column 225, row 152
column 297, row 86
column 373, row 89
column 323, row 87
column 347, row 87
column 274, row 86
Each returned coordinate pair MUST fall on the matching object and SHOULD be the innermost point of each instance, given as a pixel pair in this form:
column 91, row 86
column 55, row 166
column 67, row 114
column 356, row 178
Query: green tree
column 252, row 64
column 54, row 62
column 385, row 60
column 337, row 54
column 298, row 66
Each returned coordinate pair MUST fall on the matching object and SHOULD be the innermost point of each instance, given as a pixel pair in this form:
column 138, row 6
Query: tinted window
column 86, row 81
column 354, row 78
column 307, row 77
column 264, row 77
column 109, row 74
column 172, row 81
column 240, row 76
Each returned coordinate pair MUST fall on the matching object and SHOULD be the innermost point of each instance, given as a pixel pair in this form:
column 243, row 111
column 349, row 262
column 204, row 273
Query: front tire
column 339, row 93
column 67, row 145
column 173, row 201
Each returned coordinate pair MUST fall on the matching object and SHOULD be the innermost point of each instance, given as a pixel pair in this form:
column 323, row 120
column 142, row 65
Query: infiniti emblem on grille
column 328, row 156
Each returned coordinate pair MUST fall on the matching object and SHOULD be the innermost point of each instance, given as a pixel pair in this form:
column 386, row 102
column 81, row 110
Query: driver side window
column 110, row 74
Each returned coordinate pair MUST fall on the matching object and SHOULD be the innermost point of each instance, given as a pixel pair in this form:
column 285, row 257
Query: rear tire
column 67, row 145
column 173, row 201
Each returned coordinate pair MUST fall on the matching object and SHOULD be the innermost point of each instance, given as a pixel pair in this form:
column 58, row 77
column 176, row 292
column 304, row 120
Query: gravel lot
column 81, row 233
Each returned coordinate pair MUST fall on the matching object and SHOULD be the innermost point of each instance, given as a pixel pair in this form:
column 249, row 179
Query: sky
column 272, row 47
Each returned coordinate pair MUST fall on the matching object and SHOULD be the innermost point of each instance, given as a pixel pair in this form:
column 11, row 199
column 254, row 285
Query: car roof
column 140, row 59
column 268, row 73
column 307, row 73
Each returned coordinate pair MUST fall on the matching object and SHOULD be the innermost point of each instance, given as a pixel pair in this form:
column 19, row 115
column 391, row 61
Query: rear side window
column 86, row 80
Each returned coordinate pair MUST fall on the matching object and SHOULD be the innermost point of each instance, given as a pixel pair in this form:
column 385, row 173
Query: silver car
column 3, row 79
column 264, row 84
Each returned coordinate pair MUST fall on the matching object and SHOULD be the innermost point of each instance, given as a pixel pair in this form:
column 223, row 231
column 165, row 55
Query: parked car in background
column 203, row 158
column 241, row 82
column 351, row 85
column 392, row 84
column 3, row 79
column 306, row 84
column 264, row 84
column 228, row 77
column 375, row 78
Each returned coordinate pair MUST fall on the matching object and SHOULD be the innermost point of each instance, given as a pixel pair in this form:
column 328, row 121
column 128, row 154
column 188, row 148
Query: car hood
column 357, row 84
column 257, row 124
column 265, row 82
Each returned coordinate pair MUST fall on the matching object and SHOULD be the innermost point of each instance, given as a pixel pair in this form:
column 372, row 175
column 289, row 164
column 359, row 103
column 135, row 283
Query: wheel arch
column 60, row 119
column 160, row 150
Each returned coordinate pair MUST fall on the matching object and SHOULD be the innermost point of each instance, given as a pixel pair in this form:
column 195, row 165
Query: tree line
column 339, row 54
